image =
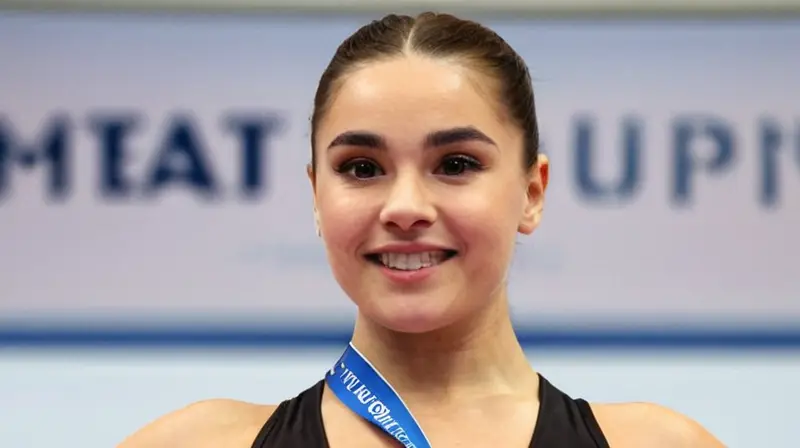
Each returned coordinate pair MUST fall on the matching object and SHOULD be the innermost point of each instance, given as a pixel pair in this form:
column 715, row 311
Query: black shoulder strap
column 269, row 426
column 296, row 423
column 591, row 423
column 564, row 421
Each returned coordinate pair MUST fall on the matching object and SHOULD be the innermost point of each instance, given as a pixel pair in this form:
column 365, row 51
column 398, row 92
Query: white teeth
column 412, row 262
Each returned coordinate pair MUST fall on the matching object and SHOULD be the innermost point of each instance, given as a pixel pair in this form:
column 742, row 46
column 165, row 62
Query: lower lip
column 415, row 276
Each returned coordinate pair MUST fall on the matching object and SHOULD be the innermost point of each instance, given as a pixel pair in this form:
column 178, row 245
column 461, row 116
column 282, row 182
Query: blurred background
column 157, row 244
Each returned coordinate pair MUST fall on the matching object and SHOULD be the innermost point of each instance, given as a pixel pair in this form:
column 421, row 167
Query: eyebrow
column 457, row 135
column 444, row 137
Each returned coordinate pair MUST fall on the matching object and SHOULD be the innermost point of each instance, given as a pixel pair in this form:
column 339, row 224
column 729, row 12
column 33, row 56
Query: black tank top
column 562, row 422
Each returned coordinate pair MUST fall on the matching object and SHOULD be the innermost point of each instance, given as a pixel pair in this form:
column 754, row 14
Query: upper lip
column 408, row 248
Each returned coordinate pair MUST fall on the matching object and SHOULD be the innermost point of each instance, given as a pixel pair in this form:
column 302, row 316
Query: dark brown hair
column 442, row 36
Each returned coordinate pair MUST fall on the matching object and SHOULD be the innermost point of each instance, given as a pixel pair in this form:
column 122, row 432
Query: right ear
column 313, row 179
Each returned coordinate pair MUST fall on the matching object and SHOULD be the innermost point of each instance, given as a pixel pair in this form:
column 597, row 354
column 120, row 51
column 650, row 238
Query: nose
column 408, row 206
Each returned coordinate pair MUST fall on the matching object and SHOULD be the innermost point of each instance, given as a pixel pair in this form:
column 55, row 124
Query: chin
column 410, row 325
column 410, row 317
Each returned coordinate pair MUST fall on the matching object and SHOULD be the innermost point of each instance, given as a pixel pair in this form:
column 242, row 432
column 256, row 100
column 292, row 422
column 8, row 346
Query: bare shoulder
column 647, row 424
column 208, row 423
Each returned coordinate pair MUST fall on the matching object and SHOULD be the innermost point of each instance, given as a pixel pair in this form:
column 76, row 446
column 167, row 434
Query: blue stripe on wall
column 217, row 337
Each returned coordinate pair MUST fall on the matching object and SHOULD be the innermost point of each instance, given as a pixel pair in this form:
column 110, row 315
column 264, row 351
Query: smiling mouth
column 411, row 261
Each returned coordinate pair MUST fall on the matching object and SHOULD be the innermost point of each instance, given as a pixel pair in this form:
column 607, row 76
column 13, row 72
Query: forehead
column 409, row 96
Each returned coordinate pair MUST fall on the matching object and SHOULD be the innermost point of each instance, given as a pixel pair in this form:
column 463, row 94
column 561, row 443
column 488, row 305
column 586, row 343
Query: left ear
column 534, row 199
column 312, row 177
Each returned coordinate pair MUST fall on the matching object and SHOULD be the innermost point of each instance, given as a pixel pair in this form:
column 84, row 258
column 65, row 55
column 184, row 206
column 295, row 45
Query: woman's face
column 420, row 191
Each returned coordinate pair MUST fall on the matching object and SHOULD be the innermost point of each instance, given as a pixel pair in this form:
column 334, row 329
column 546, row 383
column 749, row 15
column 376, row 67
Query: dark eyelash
column 346, row 165
column 471, row 162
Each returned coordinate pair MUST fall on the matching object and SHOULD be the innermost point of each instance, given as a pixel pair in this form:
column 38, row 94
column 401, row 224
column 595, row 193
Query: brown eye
column 361, row 169
column 457, row 165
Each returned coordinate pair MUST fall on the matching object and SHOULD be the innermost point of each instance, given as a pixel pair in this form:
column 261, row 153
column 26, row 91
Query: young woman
column 425, row 166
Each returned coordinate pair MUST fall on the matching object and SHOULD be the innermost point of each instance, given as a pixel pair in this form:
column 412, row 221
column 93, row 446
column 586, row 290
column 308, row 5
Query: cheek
column 344, row 219
column 487, row 236
column 487, row 215
column 487, row 228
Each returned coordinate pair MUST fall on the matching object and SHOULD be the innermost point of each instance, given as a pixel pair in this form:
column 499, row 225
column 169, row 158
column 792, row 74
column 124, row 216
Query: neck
column 470, row 360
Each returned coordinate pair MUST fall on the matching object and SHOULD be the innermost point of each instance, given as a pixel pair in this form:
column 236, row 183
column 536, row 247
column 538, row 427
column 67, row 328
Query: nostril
column 408, row 226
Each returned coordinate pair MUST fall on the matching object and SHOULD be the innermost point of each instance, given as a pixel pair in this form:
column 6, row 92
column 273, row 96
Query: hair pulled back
column 440, row 36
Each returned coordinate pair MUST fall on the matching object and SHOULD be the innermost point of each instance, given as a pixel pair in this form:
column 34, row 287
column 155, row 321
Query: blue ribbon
column 361, row 388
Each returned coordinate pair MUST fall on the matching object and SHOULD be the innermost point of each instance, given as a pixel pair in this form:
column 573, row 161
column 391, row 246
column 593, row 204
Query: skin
column 445, row 343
